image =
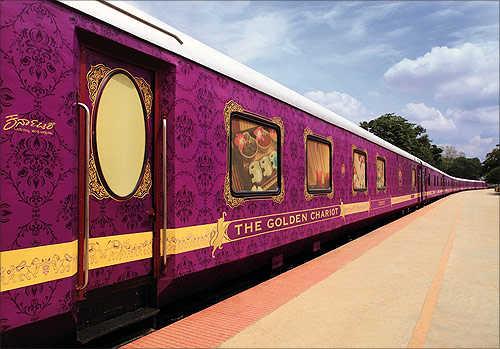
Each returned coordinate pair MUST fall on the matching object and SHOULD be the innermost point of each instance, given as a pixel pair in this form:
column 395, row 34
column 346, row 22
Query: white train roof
column 124, row 16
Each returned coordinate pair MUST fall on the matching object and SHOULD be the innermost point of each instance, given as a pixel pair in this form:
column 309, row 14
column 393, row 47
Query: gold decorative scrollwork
column 231, row 107
column 218, row 235
column 146, row 183
column 94, row 77
column 146, row 93
column 231, row 201
column 308, row 196
column 96, row 188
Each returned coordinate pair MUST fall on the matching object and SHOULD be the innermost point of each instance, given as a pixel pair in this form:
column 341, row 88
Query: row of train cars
column 139, row 166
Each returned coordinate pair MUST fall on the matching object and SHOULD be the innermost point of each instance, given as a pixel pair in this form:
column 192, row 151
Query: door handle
column 86, row 199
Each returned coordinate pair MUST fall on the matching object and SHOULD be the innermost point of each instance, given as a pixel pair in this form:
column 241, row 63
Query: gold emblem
column 219, row 236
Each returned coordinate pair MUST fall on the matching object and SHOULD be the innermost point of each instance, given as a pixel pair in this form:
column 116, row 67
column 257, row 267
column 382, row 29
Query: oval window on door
column 120, row 134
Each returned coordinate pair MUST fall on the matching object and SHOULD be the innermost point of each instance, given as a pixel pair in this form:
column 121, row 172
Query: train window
column 400, row 177
column 359, row 178
column 381, row 183
column 120, row 134
column 428, row 180
column 413, row 178
column 319, row 165
column 254, row 156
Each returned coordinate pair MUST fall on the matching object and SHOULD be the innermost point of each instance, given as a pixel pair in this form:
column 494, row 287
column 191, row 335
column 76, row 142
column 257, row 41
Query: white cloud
column 341, row 103
column 466, row 75
column 478, row 146
column 430, row 118
column 444, row 13
column 262, row 36
column 229, row 26
column 483, row 115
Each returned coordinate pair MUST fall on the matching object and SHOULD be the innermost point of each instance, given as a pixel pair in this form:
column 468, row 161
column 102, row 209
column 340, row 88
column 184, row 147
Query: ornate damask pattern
column 185, row 130
column 4, row 212
column 184, row 204
column 6, row 97
column 36, row 66
column 31, row 301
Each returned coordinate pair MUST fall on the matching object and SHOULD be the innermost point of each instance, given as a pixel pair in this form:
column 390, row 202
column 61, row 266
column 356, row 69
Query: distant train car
column 139, row 165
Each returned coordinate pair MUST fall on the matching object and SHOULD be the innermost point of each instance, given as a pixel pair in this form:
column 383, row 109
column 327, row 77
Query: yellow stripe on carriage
column 356, row 207
column 117, row 249
column 30, row 266
column 186, row 239
column 398, row 199
column 34, row 265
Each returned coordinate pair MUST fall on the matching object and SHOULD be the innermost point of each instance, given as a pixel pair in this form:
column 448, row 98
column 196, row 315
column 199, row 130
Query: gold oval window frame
column 114, row 173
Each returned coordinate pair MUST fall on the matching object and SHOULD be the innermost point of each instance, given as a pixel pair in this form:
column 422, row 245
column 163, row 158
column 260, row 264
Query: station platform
column 429, row 279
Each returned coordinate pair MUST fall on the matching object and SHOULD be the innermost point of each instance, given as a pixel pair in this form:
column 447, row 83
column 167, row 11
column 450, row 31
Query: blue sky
column 436, row 63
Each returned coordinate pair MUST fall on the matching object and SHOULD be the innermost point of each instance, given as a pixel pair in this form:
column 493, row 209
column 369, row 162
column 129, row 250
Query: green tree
column 463, row 167
column 492, row 160
column 437, row 155
column 493, row 177
column 408, row 136
column 491, row 166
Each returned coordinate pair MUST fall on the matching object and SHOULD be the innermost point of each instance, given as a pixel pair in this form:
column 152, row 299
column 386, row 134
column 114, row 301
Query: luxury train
column 139, row 166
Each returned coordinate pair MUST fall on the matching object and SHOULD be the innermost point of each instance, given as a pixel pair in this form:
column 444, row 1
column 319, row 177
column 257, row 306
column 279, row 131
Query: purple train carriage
column 139, row 166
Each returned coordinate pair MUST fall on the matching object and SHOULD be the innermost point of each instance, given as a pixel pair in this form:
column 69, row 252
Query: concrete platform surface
column 429, row 279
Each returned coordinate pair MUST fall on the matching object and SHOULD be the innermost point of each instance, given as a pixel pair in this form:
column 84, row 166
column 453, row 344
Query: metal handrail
column 164, row 177
column 86, row 199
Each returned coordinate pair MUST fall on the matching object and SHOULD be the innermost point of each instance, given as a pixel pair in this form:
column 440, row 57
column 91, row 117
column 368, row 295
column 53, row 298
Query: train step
column 90, row 333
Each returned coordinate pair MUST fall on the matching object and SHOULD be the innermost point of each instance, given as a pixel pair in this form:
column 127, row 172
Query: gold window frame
column 365, row 153
column 384, row 188
column 309, row 195
column 233, row 200
column 413, row 178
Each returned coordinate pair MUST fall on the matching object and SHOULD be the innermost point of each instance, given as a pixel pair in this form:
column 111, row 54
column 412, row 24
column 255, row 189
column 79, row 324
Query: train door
column 421, row 175
column 116, row 284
